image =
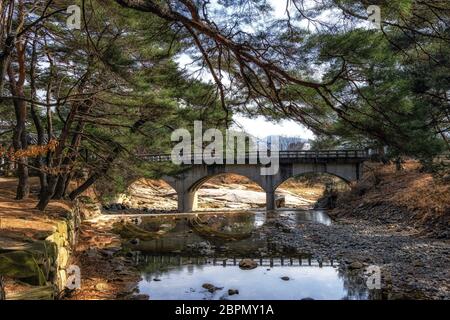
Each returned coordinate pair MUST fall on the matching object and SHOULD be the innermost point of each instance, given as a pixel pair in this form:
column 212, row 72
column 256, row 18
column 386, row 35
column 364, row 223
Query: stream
column 197, row 256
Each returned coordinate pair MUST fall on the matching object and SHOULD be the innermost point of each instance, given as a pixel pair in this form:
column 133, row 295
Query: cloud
column 261, row 128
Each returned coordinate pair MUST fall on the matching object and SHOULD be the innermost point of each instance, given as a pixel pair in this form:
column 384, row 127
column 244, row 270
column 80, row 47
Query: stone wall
column 38, row 262
column 64, row 238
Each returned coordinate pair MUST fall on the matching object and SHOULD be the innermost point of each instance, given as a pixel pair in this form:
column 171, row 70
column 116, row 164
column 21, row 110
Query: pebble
column 101, row 286
column 232, row 292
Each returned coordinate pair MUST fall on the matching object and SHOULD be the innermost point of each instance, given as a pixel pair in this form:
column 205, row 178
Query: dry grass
column 414, row 189
column 423, row 194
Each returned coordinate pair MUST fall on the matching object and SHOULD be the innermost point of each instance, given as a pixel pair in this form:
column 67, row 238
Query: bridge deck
column 302, row 155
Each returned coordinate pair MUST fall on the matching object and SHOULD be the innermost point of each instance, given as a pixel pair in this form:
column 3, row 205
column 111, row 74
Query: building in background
column 290, row 143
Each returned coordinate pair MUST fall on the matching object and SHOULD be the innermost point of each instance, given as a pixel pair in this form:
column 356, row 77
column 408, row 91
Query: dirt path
column 107, row 272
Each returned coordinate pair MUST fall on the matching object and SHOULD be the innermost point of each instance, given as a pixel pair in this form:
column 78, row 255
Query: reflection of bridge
column 261, row 262
column 345, row 164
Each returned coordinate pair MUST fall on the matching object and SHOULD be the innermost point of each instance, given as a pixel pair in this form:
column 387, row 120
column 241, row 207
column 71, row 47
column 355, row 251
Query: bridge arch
column 150, row 194
column 228, row 196
column 317, row 184
column 195, row 176
column 309, row 173
column 198, row 184
column 189, row 182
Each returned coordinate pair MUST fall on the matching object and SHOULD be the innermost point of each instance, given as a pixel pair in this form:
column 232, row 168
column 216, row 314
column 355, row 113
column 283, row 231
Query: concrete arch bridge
column 345, row 164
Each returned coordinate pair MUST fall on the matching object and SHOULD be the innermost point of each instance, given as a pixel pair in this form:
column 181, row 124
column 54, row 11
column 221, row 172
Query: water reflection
column 248, row 233
column 297, row 216
column 301, row 216
column 169, row 278
column 181, row 253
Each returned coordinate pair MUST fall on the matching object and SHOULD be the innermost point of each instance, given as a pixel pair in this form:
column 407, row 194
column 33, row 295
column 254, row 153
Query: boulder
column 210, row 287
column 247, row 264
column 63, row 257
column 61, row 279
column 355, row 265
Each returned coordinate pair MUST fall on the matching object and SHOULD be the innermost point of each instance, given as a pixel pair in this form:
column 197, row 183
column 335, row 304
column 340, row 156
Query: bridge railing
column 324, row 154
column 300, row 154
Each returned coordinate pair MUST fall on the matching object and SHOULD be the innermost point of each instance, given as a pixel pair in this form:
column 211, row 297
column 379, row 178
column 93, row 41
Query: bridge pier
column 187, row 201
column 270, row 200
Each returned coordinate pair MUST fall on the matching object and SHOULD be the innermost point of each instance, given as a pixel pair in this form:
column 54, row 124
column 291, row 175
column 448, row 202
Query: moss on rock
column 22, row 265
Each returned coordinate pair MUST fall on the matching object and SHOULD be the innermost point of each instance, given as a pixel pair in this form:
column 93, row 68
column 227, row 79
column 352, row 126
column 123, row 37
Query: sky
column 260, row 127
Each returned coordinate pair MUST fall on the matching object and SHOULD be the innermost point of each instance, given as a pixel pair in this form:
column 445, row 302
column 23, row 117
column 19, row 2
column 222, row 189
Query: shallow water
column 263, row 283
column 208, row 248
column 318, row 216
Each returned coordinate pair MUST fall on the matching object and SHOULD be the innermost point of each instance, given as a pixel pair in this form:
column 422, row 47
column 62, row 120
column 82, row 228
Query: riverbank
column 35, row 247
column 398, row 220
column 412, row 266
column 108, row 273
column 410, row 198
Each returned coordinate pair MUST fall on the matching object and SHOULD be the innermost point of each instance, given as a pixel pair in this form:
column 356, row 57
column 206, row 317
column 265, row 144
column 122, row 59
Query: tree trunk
column 115, row 153
column 20, row 106
column 20, row 143
column 58, row 160
column 23, row 187
column 47, row 193
column 36, row 119
column 9, row 167
column 68, row 161
column 7, row 12
column 89, row 182
column 61, row 186
column 2, row 289
column 92, row 179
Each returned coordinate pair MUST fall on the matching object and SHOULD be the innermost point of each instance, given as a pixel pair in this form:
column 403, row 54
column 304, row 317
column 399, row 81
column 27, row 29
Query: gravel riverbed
column 412, row 266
